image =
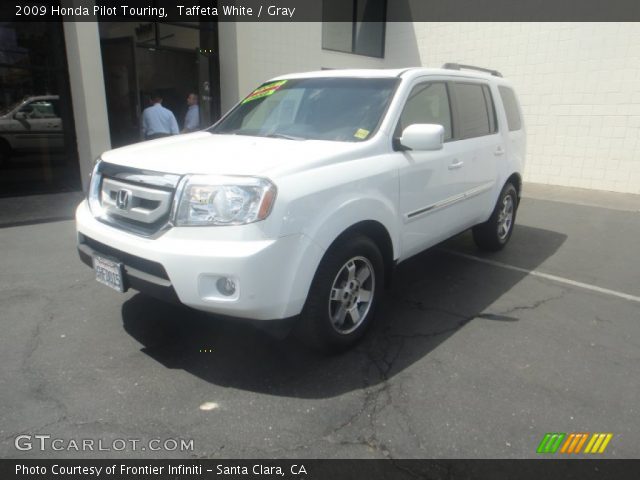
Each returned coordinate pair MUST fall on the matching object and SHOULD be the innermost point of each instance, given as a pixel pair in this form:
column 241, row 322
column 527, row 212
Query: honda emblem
column 123, row 197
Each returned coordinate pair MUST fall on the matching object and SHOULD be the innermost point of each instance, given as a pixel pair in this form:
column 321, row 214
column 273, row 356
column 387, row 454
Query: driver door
column 429, row 180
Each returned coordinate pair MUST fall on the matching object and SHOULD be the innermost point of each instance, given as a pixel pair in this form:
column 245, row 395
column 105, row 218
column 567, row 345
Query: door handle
column 456, row 164
column 499, row 151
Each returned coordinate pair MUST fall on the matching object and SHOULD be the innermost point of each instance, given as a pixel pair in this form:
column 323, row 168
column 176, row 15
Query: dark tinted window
column 354, row 26
column 511, row 108
column 474, row 117
column 44, row 154
column 428, row 103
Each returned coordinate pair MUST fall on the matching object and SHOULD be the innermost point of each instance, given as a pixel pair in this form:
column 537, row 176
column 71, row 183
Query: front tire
column 494, row 234
column 343, row 295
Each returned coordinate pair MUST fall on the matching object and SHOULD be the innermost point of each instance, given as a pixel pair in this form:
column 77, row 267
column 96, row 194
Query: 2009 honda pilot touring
column 300, row 200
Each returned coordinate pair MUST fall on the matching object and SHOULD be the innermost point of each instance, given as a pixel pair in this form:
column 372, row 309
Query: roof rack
column 459, row 66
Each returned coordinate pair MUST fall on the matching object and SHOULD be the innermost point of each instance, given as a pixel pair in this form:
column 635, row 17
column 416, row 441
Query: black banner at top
column 319, row 10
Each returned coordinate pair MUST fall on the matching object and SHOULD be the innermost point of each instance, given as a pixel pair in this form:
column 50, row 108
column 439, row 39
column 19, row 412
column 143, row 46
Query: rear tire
column 495, row 233
column 343, row 295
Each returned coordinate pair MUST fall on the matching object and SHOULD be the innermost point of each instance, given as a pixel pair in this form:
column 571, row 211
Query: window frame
column 484, row 87
column 425, row 83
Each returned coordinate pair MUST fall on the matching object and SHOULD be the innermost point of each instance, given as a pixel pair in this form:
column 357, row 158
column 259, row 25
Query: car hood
column 216, row 154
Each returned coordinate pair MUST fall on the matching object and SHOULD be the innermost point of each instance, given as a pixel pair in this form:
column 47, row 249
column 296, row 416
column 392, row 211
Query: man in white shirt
column 158, row 121
column 192, row 118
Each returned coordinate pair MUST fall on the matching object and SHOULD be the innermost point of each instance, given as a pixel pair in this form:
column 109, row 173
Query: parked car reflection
column 33, row 124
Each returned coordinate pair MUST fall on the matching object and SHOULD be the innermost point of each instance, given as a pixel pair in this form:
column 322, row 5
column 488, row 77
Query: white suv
column 299, row 202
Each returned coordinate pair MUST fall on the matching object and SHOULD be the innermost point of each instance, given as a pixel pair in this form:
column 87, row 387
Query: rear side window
column 428, row 103
column 511, row 108
column 476, row 114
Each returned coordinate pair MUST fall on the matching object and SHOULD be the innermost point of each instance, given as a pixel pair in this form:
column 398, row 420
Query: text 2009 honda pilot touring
column 302, row 198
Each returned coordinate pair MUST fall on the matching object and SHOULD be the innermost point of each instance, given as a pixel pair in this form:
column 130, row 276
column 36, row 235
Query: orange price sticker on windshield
column 264, row 91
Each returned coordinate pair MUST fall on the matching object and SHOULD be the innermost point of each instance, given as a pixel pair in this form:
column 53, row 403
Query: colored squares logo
column 598, row 443
column 551, row 442
column 574, row 443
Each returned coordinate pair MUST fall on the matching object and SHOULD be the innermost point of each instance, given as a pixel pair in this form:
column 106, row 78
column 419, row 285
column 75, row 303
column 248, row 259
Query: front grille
column 135, row 200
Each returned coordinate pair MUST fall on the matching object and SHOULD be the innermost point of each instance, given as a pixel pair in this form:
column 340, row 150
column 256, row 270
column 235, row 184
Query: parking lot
column 472, row 355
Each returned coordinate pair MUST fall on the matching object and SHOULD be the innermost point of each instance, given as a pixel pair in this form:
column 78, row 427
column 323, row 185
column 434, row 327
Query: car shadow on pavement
column 432, row 296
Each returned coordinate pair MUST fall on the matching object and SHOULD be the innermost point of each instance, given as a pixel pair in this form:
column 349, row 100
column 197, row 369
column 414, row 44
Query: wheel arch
column 516, row 180
column 379, row 234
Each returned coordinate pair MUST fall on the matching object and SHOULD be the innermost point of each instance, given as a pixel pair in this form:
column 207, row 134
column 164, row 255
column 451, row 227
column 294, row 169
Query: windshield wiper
column 282, row 135
column 256, row 134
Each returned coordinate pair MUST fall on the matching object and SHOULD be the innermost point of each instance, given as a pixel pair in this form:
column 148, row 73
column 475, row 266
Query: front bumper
column 272, row 275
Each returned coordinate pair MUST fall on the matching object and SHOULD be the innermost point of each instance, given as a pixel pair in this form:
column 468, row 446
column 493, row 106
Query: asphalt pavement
column 472, row 355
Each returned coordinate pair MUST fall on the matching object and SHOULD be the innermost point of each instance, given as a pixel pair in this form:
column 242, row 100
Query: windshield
column 339, row 109
column 13, row 106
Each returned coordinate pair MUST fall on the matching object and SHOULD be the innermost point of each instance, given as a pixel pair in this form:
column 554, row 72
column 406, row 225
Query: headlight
column 93, row 194
column 222, row 200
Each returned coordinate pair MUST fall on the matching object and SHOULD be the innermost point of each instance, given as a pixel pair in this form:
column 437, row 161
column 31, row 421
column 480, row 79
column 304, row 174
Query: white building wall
column 579, row 85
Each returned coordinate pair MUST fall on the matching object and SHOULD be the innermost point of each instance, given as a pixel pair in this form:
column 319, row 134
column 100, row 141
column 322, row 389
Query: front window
column 338, row 109
column 39, row 109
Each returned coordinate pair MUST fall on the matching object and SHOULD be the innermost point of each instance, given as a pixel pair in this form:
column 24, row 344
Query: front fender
column 342, row 214
column 337, row 217
column 322, row 203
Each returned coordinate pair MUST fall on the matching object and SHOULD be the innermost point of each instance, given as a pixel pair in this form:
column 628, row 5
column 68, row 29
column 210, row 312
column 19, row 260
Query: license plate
column 108, row 272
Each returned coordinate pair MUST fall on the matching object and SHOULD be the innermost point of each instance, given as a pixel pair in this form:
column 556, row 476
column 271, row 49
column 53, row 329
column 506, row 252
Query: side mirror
column 20, row 115
column 422, row 136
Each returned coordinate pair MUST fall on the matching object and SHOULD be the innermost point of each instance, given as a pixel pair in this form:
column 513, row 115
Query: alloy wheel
column 351, row 295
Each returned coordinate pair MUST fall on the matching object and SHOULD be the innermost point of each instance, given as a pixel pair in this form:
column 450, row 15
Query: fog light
column 226, row 286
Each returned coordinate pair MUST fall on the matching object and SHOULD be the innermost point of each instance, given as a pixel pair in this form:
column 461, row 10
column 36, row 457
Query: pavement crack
column 36, row 380
column 437, row 333
column 536, row 304
column 382, row 355
column 370, row 442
